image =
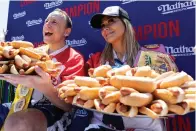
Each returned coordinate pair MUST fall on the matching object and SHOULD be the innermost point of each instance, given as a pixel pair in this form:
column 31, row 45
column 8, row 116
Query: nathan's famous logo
column 18, row 37
column 81, row 113
column 127, row 1
column 19, row 15
column 34, row 22
column 74, row 43
column 53, row 4
column 178, row 6
column 180, row 51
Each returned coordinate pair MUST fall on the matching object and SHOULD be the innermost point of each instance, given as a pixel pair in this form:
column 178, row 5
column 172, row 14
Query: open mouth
column 48, row 33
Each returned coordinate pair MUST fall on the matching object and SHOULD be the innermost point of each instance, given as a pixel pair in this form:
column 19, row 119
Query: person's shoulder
column 96, row 55
column 75, row 53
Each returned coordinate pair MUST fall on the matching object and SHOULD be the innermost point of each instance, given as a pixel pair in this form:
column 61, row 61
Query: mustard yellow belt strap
column 21, row 100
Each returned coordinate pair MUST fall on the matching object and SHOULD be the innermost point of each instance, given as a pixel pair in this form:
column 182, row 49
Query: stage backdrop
column 171, row 23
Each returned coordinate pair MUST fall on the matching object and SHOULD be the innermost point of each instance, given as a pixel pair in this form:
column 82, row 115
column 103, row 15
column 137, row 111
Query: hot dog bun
column 100, row 71
column 3, row 68
column 189, row 84
column 112, row 97
column 192, row 103
column 20, row 62
column 89, row 93
column 29, row 53
column 82, row 103
column 132, row 98
column 144, row 71
column 190, row 96
column 148, row 112
column 176, row 80
column 18, row 44
column 86, row 81
column 138, row 83
column 118, row 71
column 190, row 90
column 9, row 52
column 159, row 107
column 103, row 108
column 64, row 83
column 171, row 95
column 106, row 90
column 180, row 108
column 126, row 110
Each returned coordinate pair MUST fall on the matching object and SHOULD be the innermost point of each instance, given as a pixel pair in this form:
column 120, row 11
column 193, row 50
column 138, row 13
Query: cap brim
column 97, row 19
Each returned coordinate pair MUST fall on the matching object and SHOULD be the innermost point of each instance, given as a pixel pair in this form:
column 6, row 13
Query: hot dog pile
column 20, row 57
column 131, row 91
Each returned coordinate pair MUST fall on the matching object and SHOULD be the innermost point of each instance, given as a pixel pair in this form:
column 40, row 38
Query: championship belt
column 158, row 61
column 21, row 101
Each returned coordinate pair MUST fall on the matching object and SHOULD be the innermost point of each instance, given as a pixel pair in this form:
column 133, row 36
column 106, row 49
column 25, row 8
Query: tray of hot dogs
column 20, row 58
column 131, row 92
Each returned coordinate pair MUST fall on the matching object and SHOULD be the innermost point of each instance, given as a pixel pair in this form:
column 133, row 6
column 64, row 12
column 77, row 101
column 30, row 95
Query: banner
column 171, row 23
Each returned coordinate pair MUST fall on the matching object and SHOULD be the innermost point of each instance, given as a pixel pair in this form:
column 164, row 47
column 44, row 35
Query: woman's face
column 112, row 29
column 54, row 28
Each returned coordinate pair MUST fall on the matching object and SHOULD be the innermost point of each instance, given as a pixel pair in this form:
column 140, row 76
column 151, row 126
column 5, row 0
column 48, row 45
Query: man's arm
column 52, row 94
column 76, row 70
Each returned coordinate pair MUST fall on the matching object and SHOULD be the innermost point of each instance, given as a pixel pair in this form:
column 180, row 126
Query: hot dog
column 86, row 81
column 66, row 91
column 112, row 97
column 118, row 71
column 104, row 108
column 18, row 44
column 171, row 95
column 3, row 68
column 140, row 84
column 126, row 110
column 131, row 97
column 89, row 93
column 69, row 99
column 176, row 80
column 65, row 83
column 154, row 74
column 29, row 53
column 13, row 70
column 100, row 71
column 20, row 62
column 180, row 108
column 155, row 109
column 144, row 71
column 164, row 75
column 192, row 103
column 50, row 67
column 104, row 91
column 190, row 90
column 103, row 81
column 190, row 96
column 189, row 84
column 9, row 52
column 82, row 103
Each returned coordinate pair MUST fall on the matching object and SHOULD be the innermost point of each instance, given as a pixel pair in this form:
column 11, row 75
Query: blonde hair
column 130, row 43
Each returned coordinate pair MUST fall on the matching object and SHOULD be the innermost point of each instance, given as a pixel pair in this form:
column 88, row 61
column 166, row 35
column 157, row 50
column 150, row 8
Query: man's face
column 54, row 28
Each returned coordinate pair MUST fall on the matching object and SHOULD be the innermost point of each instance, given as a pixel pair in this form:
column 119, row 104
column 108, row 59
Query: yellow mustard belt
column 21, row 101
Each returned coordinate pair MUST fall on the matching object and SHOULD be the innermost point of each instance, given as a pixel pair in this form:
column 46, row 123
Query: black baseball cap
column 109, row 11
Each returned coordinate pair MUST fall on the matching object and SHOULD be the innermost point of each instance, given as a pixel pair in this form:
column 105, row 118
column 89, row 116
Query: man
column 42, row 113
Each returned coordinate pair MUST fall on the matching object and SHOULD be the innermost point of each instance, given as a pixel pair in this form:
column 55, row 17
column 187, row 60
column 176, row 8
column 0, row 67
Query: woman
column 121, row 48
column 43, row 114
